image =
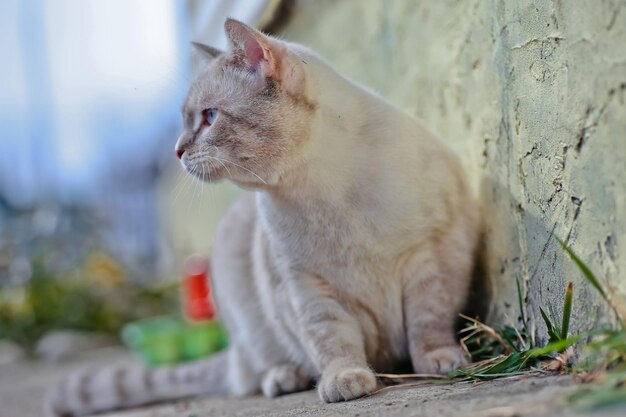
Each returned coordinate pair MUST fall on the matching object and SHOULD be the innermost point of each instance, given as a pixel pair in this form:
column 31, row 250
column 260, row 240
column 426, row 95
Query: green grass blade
column 554, row 336
column 567, row 310
column 546, row 320
column 564, row 344
column 584, row 269
column 556, row 329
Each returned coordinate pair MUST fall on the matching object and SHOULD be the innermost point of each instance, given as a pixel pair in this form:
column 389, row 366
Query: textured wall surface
column 533, row 94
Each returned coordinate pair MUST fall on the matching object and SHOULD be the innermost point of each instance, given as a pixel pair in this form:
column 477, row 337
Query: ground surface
column 22, row 387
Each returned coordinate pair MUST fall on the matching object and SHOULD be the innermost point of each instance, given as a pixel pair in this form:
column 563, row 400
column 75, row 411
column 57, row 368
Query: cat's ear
column 260, row 54
column 205, row 51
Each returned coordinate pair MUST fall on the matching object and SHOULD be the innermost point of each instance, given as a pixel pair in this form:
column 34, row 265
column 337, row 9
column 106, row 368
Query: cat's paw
column 346, row 384
column 284, row 379
column 440, row 361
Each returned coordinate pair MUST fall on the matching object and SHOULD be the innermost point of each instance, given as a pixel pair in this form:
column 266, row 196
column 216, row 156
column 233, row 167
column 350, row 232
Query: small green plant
column 556, row 331
column 603, row 358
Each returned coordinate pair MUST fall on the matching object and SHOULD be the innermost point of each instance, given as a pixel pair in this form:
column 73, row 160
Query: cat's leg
column 253, row 349
column 434, row 293
column 242, row 378
column 332, row 339
column 284, row 379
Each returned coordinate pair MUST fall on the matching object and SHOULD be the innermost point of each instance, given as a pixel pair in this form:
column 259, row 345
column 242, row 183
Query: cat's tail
column 110, row 388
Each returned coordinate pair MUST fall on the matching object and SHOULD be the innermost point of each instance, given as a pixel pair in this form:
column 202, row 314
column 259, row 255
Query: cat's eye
column 209, row 116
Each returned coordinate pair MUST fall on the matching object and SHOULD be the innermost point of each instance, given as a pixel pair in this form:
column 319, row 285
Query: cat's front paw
column 439, row 361
column 346, row 384
column 284, row 379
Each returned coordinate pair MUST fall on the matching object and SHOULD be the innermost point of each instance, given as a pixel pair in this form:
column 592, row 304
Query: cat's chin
column 211, row 177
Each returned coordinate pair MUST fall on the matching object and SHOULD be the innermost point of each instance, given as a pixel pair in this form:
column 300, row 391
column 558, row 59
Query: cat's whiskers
column 178, row 186
column 197, row 183
column 212, row 193
column 184, row 184
column 205, row 170
column 237, row 165
column 226, row 168
column 230, row 175
column 192, row 171
column 200, row 184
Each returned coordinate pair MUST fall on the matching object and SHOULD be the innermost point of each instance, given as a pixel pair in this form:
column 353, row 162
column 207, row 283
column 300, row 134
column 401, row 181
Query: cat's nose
column 181, row 145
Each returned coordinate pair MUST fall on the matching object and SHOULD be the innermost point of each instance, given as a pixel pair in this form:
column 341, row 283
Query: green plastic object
column 168, row 340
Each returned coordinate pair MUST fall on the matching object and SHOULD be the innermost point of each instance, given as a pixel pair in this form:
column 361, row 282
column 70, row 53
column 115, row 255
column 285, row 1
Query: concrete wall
column 532, row 93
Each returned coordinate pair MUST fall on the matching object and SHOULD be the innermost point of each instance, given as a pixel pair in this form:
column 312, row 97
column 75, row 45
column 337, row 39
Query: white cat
column 353, row 253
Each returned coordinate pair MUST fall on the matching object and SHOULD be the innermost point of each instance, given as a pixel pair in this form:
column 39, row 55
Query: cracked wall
column 533, row 95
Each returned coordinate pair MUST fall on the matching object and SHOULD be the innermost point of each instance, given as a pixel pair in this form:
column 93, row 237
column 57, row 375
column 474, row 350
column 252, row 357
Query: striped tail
column 105, row 389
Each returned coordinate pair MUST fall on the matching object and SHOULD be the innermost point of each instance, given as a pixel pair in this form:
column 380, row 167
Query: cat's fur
column 353, row 254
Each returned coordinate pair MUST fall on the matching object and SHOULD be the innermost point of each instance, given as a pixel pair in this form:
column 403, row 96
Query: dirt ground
column 23, row 384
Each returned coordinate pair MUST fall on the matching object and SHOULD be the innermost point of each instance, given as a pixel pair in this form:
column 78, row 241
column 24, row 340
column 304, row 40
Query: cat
column 351, row 254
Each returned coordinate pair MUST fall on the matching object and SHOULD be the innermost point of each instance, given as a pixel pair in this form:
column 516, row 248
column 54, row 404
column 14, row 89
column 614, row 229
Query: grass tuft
column 556, row 331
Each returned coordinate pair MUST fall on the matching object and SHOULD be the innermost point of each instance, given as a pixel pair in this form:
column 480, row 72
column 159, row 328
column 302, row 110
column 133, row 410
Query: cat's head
column 247, row 114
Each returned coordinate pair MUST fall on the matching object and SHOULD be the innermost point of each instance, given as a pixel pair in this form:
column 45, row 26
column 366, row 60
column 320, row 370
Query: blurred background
column 96, row 214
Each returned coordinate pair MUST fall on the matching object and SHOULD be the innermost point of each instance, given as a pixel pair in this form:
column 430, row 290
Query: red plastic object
column 196, row 291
